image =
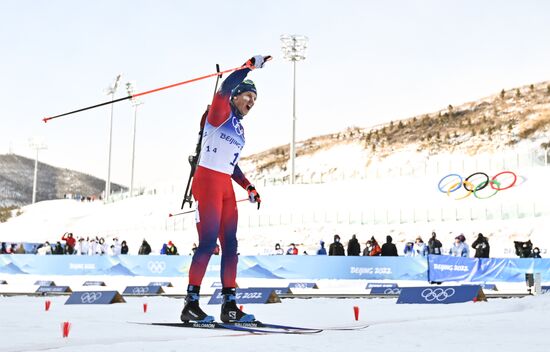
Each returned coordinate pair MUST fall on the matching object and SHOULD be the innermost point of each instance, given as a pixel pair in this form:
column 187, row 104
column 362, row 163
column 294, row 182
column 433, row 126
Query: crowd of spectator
column 480, row 248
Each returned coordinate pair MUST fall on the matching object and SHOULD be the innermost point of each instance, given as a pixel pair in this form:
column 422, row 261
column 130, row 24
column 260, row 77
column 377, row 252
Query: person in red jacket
column 69, row 241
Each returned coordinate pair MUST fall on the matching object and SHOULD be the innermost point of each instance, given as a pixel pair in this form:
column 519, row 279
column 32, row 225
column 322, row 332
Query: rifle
column 194, row 158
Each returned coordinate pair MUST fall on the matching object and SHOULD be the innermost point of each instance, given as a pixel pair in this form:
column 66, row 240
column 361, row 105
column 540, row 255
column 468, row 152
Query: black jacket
column 389, row 250
column 354, row 248
column 336, row 248
column 481, row 246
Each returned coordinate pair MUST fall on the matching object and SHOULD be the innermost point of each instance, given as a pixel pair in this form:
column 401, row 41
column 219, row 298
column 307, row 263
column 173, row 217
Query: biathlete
column 216, row 215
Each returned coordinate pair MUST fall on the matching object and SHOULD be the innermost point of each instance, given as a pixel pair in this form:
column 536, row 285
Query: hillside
column 496, row 123
column 16, row 181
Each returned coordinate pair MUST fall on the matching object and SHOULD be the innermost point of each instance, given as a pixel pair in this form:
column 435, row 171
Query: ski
column 252, row 327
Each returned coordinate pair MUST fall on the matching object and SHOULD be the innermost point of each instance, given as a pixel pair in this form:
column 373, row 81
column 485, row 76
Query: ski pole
column 192, row 211
column 247, row 65
column 194, row 159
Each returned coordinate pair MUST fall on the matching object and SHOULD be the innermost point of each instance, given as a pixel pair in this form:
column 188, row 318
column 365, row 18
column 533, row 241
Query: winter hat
column 170, row 243
column 336, row 237
column 389, row 239
column 245, row 86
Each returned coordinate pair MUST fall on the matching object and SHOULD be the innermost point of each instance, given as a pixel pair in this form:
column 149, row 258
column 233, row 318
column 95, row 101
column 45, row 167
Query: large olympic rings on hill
column 472, row 188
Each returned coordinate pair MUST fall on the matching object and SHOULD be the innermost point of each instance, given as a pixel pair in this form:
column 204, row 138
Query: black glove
column 253, row 195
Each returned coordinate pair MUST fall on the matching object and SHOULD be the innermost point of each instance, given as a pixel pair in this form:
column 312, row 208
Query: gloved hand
column 253, row 195
column 258, row 61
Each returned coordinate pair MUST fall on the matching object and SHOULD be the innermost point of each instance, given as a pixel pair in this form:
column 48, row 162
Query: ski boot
column 191, row 311
column 230, row 312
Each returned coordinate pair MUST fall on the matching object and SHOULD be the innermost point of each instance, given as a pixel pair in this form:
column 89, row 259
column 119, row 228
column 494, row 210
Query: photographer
column 523, row 249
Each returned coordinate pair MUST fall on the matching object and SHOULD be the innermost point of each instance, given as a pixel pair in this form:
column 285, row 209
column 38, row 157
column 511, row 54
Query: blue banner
column 265, row 267
column 439, row 295
column 253, row 295
column 438, row 268
column 443, row 268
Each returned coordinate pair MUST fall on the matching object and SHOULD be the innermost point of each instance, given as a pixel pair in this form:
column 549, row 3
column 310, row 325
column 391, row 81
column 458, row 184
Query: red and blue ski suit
column 212, row 188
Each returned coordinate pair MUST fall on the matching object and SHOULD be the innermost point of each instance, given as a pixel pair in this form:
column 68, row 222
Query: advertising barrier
column 385, row 291
column 142, row 291
column 441, row 294
column 434, row 268
column 259, row 295
column 265, row 267
column 53, row 289
column 95, row 297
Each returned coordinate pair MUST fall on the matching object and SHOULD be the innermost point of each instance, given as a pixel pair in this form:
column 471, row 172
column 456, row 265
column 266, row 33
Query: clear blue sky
column 368, row 62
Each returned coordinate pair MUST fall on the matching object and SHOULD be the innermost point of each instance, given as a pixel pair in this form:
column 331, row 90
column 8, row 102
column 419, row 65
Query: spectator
column 102, row 246
column 389, row 249
column 278, row 250
column 217, row 249
column 124, row 248
column 354, row 248
column 3, row 249
column 46, row 249
column 78, row 246
column 93, row 248
column 373, row 248
column 85, row 246
column 194, row 248
column 536, row 253
column 409, row 249
column 434, row 245
column 336, row 248
column 58, row 249
column 292, row 250
column 460, row 248
column 172, row 249
column 117, row 247
column 145, row 248
column 70, row 242
column 420, row 248
column 20, row 249
column 524, row 249
column 481, row 246
column 164, row 249
column 322, row 250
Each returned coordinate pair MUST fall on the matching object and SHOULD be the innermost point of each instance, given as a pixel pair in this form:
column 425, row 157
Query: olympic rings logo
column 237, row 126
column 140, row 290
column 471, row 184
column 156, row 267
column 90, row 297
column 438, row 294
column 392, row 291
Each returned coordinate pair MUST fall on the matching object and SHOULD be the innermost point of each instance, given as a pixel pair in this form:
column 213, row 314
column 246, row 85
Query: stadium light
column 36, row 144
column 110, row 90
column 135, row 103
column 294, row 48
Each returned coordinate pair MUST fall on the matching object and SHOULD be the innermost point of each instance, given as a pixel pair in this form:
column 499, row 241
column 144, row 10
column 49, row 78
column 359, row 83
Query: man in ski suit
column 216, row 215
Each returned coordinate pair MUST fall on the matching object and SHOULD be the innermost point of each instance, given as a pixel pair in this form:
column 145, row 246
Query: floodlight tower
column 135, row 103
column 110, row 90
column 294, row 48
column 37, row 145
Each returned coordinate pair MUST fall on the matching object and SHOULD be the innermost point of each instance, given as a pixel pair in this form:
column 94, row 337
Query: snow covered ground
column 504, row 325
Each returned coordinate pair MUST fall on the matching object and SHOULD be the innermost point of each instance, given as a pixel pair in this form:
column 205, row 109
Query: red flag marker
column 66, row 327
column 241, row 307
column 144, row 307
column 47, row 304
column 356, row 312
